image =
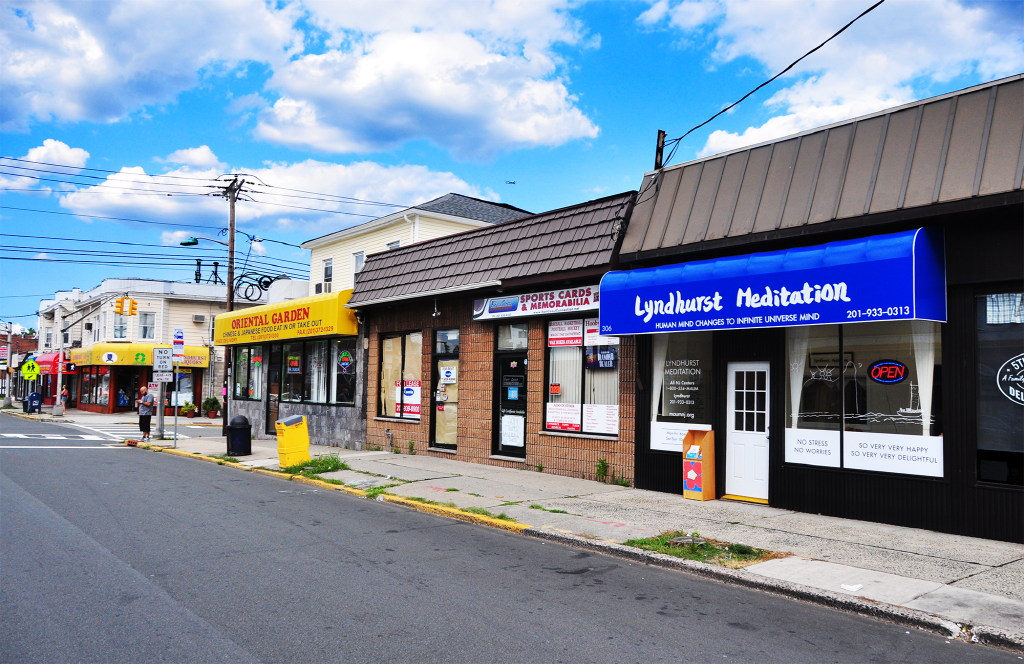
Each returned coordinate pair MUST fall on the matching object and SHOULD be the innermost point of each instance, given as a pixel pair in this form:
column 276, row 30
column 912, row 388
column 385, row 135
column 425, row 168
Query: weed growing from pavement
column 482, row 512
column 451, row 489
column 622, row 481
column 535, row 506
column 321, row 464
column 474, row 494
column 375, row 491
column 433, row 502
column 540, row 468
column 412, row 448
column 511, row 502
column 602, row 470
column 223, row 458
column 711, row 551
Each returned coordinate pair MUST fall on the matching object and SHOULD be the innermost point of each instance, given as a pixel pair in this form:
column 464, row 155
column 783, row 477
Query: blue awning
column 900, row 276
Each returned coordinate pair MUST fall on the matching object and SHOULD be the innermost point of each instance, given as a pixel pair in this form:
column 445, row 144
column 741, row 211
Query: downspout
column 415, row 223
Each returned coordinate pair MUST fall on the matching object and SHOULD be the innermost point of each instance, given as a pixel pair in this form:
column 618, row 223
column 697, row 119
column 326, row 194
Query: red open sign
column 888, row 371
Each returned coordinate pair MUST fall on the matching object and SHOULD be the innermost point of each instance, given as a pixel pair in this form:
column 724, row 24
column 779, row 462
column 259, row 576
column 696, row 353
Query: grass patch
column 375, row 491
column 474, row 494
column 321, row 464
column 452, row 489
column 223, row 458
column 711, row 551
column 535, row 506
column 432, row 502
column 511, row 502
column 482, row 512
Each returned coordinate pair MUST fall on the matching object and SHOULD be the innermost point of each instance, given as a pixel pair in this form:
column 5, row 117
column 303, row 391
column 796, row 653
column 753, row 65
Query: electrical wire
column 105, row 178
column 102, row 170
column 864, row 13
column 297, row 207
column 104, row 185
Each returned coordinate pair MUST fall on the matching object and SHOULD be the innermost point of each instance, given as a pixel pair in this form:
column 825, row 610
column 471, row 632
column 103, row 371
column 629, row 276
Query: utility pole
column 659, row 150
column 231, row 193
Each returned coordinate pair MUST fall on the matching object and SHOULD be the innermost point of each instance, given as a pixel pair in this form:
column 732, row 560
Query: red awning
column 48, row 363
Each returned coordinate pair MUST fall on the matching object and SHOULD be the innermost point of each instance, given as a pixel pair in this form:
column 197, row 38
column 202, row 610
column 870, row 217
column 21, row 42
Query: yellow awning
column 316, row 316
column 140, row 355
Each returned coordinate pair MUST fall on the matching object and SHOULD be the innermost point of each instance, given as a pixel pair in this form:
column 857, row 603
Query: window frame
column 236, row 368
column 327, row 270
column 304, row 344
column 124, row 320
column 403, row 335
column 143, row 328
column 435, row 383
column 583, row 380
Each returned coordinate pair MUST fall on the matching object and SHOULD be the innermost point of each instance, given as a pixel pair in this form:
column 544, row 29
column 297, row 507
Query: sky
column 319, row 102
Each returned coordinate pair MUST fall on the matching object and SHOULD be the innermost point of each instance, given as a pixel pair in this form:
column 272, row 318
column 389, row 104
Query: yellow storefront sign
column 316, row 316
column 138, row 355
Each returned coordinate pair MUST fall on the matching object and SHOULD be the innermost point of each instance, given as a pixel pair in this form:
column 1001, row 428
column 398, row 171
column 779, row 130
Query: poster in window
column 563, row 416
column 602, row 357
column 602, row 419
column 592, row 336
column 565, row 333
column 409, row 391
column 294, row 363
column 813, row 447
column 513, row 431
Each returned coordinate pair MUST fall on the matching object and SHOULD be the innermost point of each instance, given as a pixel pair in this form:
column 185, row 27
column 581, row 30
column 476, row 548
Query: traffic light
column 133, row 307
column 119, row 306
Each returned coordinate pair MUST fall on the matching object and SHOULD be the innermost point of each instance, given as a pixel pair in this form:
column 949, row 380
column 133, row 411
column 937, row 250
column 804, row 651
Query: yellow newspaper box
column 292, row 441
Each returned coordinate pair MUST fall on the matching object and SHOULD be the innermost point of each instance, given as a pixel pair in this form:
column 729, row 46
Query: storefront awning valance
column 316, row 316
column 899, row 276
column 139, row 355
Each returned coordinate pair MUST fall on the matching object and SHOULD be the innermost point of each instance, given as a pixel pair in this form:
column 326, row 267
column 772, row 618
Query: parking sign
column 179, row 344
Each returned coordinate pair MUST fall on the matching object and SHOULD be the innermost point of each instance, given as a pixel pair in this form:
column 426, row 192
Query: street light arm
column 193, row 241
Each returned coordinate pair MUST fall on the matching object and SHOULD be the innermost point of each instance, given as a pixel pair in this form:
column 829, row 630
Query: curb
column 36, row 418
column 990, row 636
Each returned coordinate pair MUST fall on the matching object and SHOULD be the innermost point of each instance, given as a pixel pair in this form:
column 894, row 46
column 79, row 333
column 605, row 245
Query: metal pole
column 58, row 407
column 160, row 412
column 232, row 192
column 175, row 404
column 9, row 378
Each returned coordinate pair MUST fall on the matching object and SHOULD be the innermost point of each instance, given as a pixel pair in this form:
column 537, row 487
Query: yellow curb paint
column 455, row 513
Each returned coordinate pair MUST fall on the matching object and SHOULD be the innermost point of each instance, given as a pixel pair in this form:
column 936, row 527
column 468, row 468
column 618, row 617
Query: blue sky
column 400, row 106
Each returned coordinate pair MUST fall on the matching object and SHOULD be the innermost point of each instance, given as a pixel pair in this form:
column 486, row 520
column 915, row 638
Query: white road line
column 15, row 435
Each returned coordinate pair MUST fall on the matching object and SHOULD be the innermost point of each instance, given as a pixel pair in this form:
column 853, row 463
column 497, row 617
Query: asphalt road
column 124, row 555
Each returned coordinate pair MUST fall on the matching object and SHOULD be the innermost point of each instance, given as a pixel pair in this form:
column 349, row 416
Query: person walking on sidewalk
column 145, row 403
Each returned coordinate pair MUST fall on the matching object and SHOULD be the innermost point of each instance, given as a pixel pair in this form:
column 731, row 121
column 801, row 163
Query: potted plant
column 189, row 410
column 211, row 405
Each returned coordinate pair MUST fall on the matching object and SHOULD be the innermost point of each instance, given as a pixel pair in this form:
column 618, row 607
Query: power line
column 864, row 13
column 106, row 178
column 104, row 185
column 102, row 170
column 297, row 207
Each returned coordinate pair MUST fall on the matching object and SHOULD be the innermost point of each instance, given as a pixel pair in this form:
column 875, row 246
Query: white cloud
column 99, row 61
column 201, row 157
column 174, row 237
column 28, row 175
column 475, row 79
column 278, row 205
column 896, row 54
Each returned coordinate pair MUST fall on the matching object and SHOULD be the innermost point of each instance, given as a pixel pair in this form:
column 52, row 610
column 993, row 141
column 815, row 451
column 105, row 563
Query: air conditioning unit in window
column 324, row 287
column 198, row 318
column 88, row 326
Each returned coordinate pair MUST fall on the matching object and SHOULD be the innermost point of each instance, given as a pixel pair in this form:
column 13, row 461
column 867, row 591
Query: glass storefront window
column 446, row 395
column 681, row 387
column 999, row 358
column 401, row 375
column 292, row 366
column 583, row 378
column 870, row 393
column 318, row 372
column 85, row 389
column 256, row 372
column 102, row 389
column 343, row 361
column 241, row 371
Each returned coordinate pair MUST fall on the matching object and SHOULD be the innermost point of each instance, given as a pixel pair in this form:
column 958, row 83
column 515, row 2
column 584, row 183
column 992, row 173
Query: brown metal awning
column 957, row 146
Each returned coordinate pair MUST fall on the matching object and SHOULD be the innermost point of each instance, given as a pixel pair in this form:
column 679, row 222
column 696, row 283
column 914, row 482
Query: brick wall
column 574, row 456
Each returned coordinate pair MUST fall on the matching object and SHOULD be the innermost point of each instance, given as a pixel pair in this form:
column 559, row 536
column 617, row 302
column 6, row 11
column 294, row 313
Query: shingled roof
column 458, row 205
column 947, row 149
column 559, row 242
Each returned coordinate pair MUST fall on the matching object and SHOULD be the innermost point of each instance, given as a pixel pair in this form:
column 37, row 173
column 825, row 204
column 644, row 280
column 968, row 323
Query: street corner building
column 484, row 346
column 842, row 310
column 296, row 357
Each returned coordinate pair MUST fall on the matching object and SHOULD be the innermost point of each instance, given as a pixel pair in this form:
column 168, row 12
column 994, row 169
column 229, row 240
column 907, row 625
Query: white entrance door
column 746, row 443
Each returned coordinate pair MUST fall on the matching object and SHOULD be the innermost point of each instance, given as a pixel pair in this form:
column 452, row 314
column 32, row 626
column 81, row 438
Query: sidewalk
column 965, row 580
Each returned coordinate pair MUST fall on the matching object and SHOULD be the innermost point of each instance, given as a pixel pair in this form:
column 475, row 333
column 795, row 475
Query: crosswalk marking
column 121, row 431
column 50, row 436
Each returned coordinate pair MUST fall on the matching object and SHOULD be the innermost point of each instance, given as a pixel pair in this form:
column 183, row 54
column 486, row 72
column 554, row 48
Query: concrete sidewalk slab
column 407, row 473
column 1006, row 580
column 878, row 586
column 972, row 607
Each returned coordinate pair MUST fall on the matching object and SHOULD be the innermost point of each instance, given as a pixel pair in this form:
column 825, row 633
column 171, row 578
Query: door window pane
column 241, row 370
column 343, row 361
column 446, row 388
column 514, row 337
column 999, row 356
column 317, row 374
column 292, row 382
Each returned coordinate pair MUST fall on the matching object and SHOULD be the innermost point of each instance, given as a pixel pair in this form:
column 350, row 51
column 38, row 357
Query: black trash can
column 24, row 405
column 239, row 437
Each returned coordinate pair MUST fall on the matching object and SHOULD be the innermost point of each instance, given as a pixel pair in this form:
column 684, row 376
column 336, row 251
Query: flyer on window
column 565, row 333
column 563, row 417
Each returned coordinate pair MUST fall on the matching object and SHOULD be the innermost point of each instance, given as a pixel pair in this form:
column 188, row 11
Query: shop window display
column 583, row 378
column 401, row 375
column 999, row 359
column 682, row 381
column 248, row 373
